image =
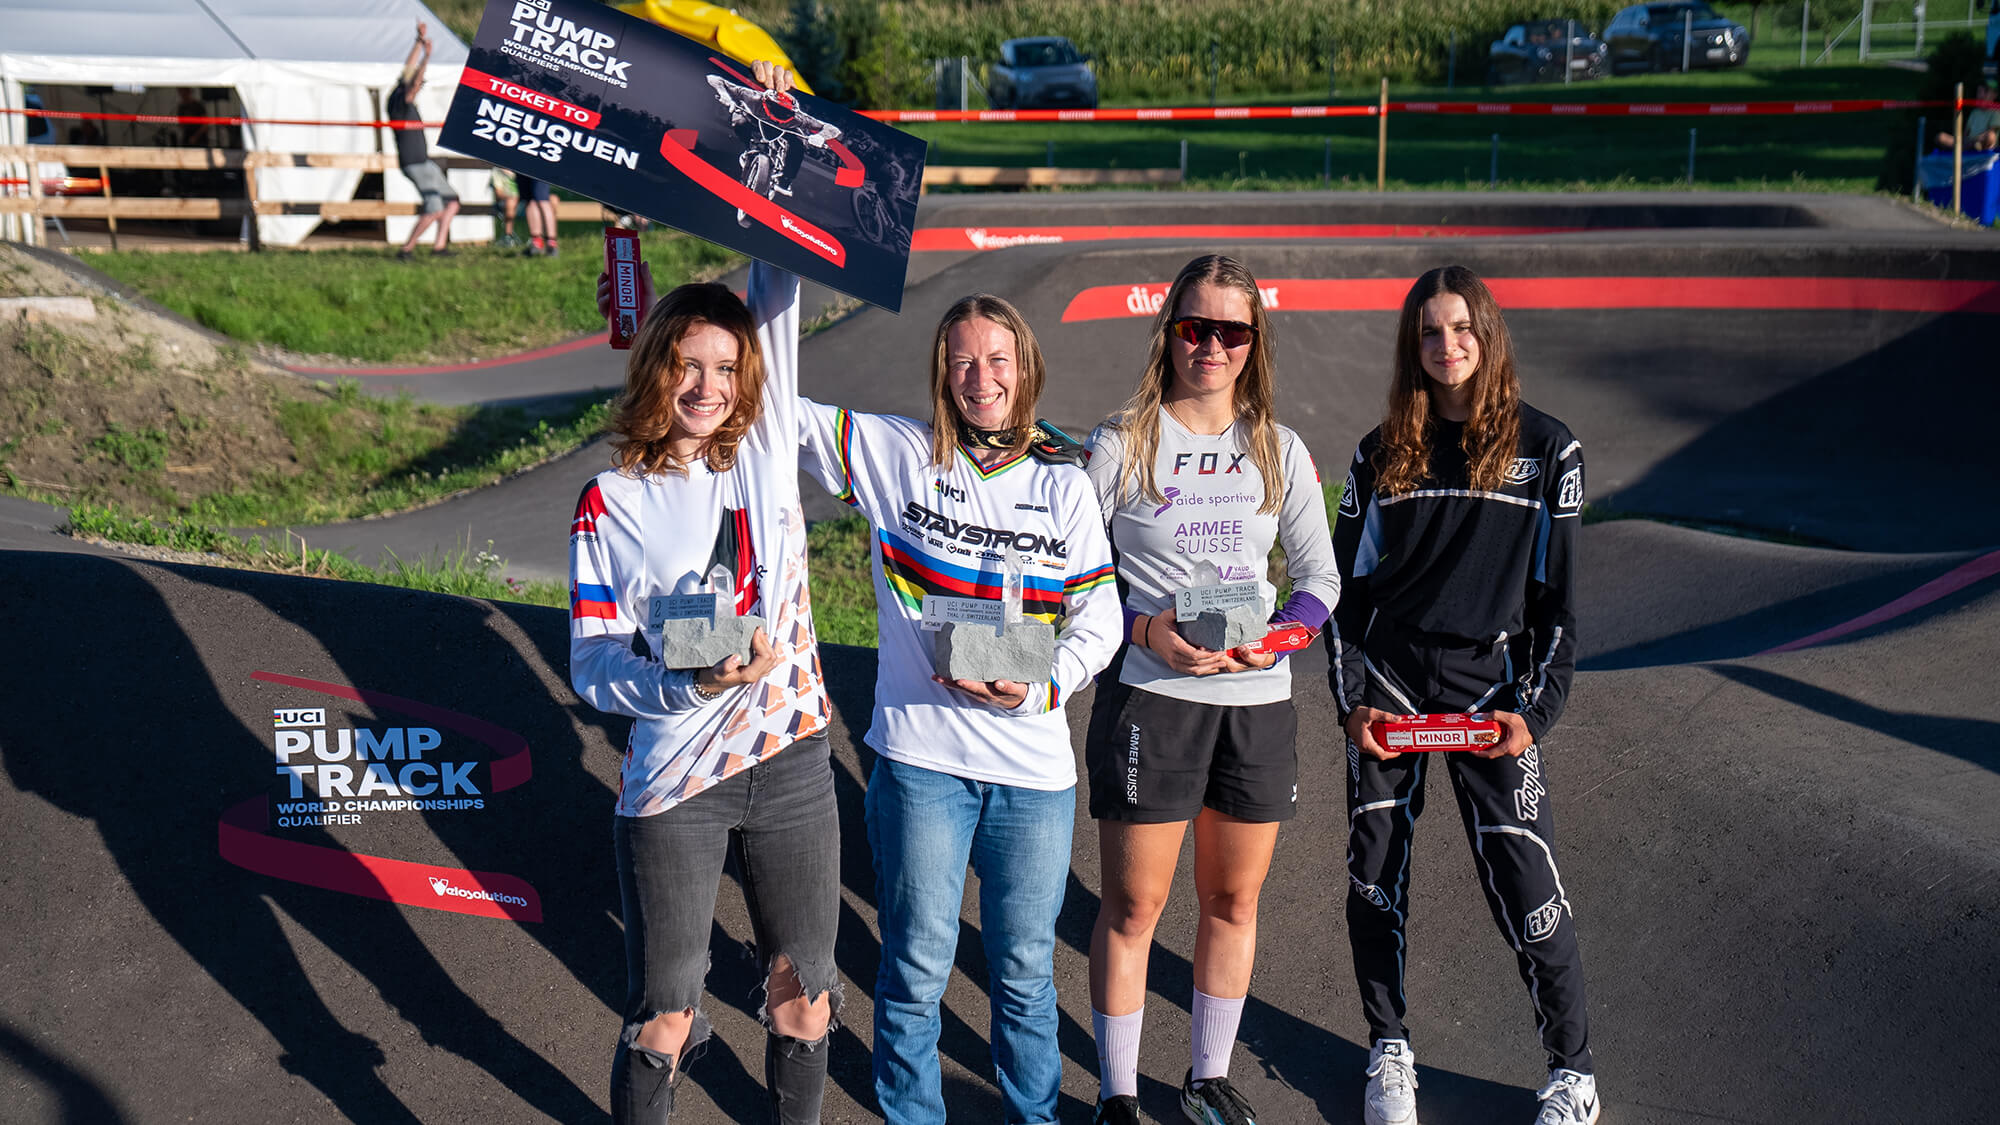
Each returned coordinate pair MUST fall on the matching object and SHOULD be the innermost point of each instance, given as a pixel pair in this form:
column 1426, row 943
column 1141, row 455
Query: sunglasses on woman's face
column 1195, row 329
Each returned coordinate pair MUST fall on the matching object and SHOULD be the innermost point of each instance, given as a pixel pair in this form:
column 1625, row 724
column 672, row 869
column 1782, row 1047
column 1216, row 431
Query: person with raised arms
column 1456, row 538
column 732, row 757
column 1197, row 480
column 968, row 773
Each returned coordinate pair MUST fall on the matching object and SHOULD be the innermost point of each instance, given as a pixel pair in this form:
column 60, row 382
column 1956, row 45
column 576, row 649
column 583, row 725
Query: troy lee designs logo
column 917, row 516
column 1543, row 920
column 1371, row 892
column 1528, row 798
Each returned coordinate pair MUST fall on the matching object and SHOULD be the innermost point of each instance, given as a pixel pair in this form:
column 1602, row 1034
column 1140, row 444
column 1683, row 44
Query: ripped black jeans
column 779, row 817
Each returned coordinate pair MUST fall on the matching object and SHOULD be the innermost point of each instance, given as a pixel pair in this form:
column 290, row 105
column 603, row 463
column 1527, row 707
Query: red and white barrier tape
column 1186, row 113
column 1548, row 109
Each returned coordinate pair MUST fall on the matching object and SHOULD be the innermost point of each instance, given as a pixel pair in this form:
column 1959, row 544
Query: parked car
column 1535, row 52
column 1042, row 72
column 1648, row 37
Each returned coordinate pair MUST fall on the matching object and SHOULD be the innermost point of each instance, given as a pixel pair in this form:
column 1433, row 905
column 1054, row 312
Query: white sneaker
column 1391, row 1098
column 1570, row 1098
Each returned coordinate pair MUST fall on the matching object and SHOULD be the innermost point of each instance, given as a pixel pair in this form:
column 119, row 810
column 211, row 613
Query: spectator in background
column 541, row 208
column 440, row 204
column 1982, row 124
column 505, row 195
column 194, row 134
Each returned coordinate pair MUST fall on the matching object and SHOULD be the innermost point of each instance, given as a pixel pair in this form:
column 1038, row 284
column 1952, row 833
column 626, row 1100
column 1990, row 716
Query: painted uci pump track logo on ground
column 327, row 776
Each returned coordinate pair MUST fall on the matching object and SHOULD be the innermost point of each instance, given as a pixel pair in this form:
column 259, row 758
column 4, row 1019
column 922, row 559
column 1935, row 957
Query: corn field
column 1163, row 48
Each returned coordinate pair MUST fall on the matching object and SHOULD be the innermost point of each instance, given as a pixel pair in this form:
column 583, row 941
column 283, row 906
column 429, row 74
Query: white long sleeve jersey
column 634, row 537
column 947, row 530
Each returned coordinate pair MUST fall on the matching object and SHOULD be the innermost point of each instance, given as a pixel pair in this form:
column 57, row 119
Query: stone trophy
column 701, row 629
column 1219, row 616
column 984, row 640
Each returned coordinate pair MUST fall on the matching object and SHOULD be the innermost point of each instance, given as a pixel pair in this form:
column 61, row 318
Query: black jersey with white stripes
column 1493, row 567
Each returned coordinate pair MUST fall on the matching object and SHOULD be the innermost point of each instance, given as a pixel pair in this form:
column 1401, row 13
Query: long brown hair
column 1492, row 432
column 1139, row 419
column 644, row 417
column 1028, row 365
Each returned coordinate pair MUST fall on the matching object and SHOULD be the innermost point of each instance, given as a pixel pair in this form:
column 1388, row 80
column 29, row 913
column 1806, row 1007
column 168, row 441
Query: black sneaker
column 1122, row 1109
column 444, row 253
column 405, row 255
column 1213, row 1101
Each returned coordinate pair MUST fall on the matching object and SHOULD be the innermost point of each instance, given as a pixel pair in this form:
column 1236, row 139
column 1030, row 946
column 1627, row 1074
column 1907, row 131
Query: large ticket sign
column 626, row 112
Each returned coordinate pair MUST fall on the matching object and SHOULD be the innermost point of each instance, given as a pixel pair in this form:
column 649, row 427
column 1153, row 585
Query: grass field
column 365, row 306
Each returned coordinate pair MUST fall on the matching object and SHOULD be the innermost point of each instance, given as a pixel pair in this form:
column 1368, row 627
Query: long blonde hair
column 644, row 417
column 1492, row 432
column 1031, row 372
column 1138, row 421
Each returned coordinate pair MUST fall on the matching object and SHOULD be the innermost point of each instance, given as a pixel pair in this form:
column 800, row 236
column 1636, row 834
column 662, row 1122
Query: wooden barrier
column 112, row 208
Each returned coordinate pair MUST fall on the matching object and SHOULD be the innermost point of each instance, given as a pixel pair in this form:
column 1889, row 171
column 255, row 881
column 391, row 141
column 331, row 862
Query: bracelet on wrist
column 704, row 694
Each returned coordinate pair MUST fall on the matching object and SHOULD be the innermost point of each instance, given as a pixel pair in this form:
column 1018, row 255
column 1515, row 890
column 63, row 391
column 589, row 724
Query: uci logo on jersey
column 1523, row 470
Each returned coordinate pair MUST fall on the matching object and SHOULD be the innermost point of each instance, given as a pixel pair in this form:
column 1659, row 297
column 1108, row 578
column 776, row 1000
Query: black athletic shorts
column 537, row 190
column 1154, row 759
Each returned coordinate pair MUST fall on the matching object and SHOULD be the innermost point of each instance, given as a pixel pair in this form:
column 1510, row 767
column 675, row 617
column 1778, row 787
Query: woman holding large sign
column 727, row 753
column 996, row 602
column 1197, row 481
column 1456, row 538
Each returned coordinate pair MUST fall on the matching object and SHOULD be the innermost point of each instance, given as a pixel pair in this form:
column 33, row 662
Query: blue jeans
column 924, row 828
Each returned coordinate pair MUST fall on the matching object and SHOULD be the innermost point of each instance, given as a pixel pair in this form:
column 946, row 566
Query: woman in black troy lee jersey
column 1456, row 544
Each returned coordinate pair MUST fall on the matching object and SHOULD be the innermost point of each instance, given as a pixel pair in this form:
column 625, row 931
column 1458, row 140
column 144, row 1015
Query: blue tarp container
column 1978, row 190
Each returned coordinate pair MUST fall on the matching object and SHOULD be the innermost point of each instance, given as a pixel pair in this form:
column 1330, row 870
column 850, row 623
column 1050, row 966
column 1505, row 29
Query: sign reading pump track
column 581, row 95
column 329, row 777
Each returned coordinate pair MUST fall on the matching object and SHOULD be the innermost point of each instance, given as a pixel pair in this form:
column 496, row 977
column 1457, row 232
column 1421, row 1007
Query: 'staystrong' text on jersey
column 947, row 529
column 1211, row 491
column 636, row 537
column 1492, row 567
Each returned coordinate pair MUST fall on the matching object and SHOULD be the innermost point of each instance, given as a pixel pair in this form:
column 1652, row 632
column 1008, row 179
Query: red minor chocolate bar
column 1437, row 732
column 1284, row 637
column 621, row 261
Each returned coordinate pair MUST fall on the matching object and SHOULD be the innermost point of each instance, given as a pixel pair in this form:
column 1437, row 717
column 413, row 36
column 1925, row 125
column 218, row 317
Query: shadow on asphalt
column 1976, row 741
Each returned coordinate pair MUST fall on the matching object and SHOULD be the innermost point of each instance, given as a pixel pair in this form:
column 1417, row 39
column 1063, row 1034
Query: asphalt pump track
column 1776, row 776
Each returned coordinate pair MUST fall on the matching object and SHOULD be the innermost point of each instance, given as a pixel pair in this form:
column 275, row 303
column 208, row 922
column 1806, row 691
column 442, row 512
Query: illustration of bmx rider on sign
column 766, row 121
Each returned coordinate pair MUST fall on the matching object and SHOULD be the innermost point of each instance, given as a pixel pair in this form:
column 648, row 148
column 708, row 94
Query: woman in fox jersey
column 1194, row 470
column 1456, row 538
column 733, row 756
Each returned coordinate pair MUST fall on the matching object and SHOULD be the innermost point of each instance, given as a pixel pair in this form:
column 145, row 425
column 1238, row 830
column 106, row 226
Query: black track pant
column 1505, row 806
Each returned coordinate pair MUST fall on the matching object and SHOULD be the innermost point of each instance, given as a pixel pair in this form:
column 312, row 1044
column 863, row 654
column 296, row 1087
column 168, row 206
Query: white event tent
column 284, row 59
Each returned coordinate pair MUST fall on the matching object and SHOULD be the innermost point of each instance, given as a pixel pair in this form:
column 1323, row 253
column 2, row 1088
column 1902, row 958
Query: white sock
column 1215, row 1020
column 1117, row 1052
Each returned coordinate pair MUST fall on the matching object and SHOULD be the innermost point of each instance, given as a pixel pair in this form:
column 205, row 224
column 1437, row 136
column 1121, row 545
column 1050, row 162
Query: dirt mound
column 130, row 407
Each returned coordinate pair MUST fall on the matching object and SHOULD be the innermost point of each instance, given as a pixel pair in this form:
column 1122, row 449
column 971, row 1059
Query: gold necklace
column 1190, row 429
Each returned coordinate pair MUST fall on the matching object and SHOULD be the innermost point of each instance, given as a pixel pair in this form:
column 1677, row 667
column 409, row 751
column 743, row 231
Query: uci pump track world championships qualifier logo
column 377, row 782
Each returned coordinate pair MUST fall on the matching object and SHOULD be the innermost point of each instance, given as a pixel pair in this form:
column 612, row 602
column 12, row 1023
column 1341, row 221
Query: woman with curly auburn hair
column 727, row 758
column 1456, row 540
column 1196, row 470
